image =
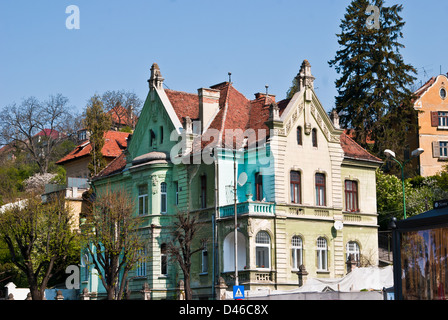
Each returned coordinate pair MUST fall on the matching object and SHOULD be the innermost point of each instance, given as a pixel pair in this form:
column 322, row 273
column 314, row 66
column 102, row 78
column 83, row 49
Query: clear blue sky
column 195, row 42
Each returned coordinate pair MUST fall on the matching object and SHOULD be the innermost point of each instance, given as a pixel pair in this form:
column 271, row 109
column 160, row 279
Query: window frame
column 320, row 190
column 299, row 136
column 314, row 138
column 204, row 258
column 296, row 252
column 144, row 197
column 203, row 192
column 322, row 254
column 163, row 260
column 263, row 250
column 356, row 251
column 163, row 198
column 351, row 196
column 295, row 187
column 258, row 186
column 141, row 264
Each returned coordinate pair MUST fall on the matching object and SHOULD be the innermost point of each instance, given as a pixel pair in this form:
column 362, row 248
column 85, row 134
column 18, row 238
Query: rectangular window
column 141, row 264
column 163, row 260
column 176, row 187
column 443, row 146
column 204, row 260
column 258, row 187
column 443, row 119
column 322, row 258
column 163, row 199
column 262, row 257
column 351, row 196
column 320, row 190
column 203, row 194
column 295, row 186
column 143, row 200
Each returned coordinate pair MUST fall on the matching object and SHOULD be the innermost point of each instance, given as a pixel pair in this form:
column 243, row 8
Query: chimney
column 156, row 80
column 208, row 104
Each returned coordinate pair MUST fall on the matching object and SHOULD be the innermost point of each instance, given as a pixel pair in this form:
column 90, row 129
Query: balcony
column 250, row 277
column 249, row 207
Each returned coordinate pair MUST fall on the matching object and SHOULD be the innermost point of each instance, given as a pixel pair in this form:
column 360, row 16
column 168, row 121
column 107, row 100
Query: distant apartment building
column 432, row 133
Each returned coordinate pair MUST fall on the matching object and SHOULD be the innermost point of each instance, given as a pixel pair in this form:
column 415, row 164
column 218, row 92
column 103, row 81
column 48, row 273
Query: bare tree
column 124, row 106
column 36, row 127
column 185, row 228
column 112, row 240
column 40, row 239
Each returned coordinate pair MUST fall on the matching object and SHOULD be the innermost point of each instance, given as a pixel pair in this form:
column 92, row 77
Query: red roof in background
column 48, row 133
column 120, row 116
column 115, row 143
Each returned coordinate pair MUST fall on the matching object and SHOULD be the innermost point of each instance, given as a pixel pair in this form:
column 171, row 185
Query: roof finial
column 230, row 77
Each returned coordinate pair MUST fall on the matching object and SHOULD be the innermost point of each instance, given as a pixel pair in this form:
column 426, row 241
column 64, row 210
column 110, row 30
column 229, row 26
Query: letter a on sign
column 238, row 292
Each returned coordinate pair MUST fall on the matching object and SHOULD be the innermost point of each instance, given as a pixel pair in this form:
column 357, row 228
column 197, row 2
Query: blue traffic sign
column 238, row 292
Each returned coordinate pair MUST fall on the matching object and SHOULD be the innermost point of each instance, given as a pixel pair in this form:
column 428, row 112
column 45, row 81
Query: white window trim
column 263, row 245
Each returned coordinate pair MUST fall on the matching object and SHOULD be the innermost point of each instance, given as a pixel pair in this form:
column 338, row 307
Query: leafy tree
column 40, row 240
column 111, row 240
column 374, row 97
column 420, row 195
column 97, row 122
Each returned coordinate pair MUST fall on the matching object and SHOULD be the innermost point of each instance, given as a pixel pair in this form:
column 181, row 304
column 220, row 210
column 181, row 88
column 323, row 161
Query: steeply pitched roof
column 236, row 112
column 115, row 143
column 354, row 151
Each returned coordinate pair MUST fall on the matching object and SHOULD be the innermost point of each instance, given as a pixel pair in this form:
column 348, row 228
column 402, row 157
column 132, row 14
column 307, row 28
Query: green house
column 303, row 190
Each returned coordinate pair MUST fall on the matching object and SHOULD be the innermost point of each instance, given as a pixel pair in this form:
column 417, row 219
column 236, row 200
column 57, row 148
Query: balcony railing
column 250, row 207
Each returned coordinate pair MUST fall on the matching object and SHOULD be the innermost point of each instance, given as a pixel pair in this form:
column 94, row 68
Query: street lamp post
column 414, row 154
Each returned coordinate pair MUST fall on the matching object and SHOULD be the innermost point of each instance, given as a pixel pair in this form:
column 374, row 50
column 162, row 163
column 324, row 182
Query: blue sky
column 195, row 42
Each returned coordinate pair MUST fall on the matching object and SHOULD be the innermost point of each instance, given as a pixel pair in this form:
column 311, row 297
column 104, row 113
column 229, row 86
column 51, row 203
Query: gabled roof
column 236, row 112
column 115, row 143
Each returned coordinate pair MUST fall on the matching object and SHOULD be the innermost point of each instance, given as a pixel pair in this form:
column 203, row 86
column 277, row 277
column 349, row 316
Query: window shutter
column 434, row 119
column 436, row 149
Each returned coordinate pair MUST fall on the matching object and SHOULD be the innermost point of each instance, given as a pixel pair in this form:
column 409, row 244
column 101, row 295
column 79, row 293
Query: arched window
column 297, row 252
column 295, row 186
column 229, row 252
column 322, row 254
column 314, row 137
column 263, row 250
column 163, row 198
column 299, row 136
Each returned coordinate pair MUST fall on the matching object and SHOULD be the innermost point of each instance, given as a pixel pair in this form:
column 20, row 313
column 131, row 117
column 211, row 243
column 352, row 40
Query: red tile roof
column 352, row 150
column 236, row 112
column 114, row 166
column 120, row 116
column 115, row 143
